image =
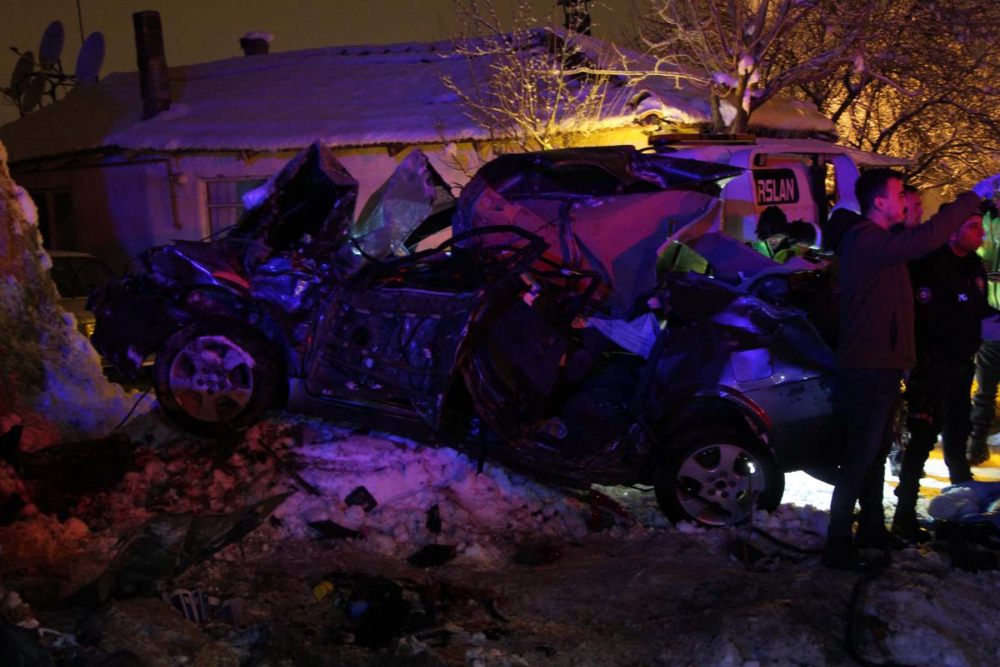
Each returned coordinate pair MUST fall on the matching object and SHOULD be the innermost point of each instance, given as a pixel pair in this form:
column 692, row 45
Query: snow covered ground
column 615, row 593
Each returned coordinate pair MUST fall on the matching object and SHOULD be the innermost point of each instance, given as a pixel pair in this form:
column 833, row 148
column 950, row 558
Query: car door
column 390, row 346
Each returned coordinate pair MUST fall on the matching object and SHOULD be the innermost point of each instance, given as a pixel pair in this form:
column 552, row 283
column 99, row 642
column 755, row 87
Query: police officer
column 988, row 357
column 950, row 295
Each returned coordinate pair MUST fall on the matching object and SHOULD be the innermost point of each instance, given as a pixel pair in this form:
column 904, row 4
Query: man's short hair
column 872, row 184
column 910, row 189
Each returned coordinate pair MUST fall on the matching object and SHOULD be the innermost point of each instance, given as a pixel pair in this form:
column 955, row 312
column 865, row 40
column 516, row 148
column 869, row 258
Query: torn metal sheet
column 166, row 546
column 310, row 202
column 413, row 193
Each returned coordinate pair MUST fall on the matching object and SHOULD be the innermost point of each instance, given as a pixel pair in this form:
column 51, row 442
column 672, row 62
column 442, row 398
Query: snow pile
column 49, row 373
column 40, row 541
column 953, row 503
column 10, row 483
column 483, row 515
column 920, row 613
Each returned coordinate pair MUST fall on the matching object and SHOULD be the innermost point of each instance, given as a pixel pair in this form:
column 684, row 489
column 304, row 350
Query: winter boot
column 840, row 554
column 977, row 451
column 875, row 536
column 906, row 528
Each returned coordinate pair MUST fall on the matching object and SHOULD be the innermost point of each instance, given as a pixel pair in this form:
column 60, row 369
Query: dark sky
column 204, row 30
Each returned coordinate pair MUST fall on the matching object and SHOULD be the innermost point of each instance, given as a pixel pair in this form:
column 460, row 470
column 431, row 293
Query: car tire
column 709, row 475
column 216, row 376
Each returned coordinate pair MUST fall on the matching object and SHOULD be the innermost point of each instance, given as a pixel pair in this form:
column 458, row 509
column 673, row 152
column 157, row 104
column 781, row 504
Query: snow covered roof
column 857, row 155
column 342, row 96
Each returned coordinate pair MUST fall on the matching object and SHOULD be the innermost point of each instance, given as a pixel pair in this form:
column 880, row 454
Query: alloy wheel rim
column 718, row 484
column 211, row 378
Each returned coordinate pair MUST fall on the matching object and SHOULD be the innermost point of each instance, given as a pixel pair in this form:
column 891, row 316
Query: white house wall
column 123, row 207
column 120, row 209
column 116, row 208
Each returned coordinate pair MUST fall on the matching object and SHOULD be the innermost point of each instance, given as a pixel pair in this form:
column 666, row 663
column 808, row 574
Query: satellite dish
column 88, row 63
column 33, row 94
column 22, row 72
column 52, row 43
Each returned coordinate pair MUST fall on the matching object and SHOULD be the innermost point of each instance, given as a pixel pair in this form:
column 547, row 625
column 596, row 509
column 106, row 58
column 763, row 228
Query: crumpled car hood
column 609, row 210
column 311, row 200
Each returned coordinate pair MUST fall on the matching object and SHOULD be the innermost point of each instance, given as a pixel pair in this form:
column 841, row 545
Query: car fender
column 708, row 406
column 133, row 324
column 211, row 301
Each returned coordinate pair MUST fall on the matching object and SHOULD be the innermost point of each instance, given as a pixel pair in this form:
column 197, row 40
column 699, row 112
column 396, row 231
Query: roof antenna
column 79, row 19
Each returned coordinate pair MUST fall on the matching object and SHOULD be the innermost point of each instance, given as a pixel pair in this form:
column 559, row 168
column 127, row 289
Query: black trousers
column 987, row 379
column 938, row 400
column 866, row 401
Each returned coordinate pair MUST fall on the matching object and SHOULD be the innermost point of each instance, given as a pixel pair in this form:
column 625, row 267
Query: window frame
column 208, row 206
column 49, row 227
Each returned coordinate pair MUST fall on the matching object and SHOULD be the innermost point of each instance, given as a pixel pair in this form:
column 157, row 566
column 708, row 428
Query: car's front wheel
column 716, row 477
column 215, row 376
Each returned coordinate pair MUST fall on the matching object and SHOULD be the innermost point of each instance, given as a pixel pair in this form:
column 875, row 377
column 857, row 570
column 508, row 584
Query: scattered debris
column 377, row 610
column 333, row 529
column 433, row 555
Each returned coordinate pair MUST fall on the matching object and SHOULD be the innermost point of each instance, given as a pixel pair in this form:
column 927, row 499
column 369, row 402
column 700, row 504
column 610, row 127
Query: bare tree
column 929, row 92
column 739, row 49
column 530, row 86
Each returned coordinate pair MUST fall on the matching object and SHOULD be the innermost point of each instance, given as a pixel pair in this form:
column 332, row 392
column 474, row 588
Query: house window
column 224, row 198
column 55, row 218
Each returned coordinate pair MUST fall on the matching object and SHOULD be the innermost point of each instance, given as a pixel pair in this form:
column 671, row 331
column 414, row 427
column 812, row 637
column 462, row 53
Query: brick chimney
column 256, row 43
column 154, row 77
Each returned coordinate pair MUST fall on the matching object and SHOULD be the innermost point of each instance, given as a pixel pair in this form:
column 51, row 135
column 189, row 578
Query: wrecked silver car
column 577, row 325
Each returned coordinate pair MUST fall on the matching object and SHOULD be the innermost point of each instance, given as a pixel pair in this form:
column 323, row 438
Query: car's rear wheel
column 716, row 477
column 215, row 376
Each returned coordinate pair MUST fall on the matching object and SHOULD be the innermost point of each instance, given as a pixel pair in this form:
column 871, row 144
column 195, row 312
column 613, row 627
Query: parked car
column 574, row 326
column 76, row 275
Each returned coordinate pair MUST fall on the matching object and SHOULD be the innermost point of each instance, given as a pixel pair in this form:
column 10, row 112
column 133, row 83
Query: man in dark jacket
column 984, row 403
column 950, row 291
column 876, row 343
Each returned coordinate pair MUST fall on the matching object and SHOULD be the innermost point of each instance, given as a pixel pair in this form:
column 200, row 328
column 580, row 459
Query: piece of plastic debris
column 322, row 589
column 605, row 513
column 361, row 496
column 357, row 608
column 434, row 519
column 433, row 555
column 333, row 529
column 194, row 605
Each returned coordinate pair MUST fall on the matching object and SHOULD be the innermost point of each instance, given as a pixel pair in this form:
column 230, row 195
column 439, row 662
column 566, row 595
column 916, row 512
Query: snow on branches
column 738, row 48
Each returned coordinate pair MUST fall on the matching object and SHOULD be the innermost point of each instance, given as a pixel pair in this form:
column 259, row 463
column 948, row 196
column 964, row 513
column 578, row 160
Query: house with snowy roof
column 123, row 164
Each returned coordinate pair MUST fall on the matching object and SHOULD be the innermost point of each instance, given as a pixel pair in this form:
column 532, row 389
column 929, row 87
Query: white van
column 807, row 179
